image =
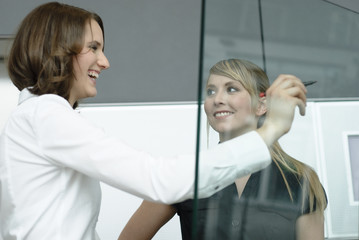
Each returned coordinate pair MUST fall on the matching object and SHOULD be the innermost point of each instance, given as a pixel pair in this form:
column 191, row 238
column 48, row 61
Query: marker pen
column 307, row 83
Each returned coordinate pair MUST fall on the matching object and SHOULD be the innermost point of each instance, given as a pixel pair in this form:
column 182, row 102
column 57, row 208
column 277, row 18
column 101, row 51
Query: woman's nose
column 103, row 61
column 219, row 98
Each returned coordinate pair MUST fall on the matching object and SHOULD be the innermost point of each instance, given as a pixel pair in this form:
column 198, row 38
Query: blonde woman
column 283, row 201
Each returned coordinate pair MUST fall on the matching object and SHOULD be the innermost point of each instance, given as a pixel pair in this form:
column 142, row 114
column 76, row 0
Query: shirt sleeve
column 69, row 140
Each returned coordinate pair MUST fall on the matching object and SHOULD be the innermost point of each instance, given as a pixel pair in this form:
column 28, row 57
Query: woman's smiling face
column 228, row 107
column 88, row 64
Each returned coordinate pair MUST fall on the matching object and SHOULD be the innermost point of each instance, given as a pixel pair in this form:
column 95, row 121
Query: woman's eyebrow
column 96, row 42
column 232, row 82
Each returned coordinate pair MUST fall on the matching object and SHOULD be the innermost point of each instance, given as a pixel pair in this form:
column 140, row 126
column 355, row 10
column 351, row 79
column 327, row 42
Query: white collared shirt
column 52, row 159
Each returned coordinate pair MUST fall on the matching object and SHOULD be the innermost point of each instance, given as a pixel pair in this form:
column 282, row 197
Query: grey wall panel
column 152, row 46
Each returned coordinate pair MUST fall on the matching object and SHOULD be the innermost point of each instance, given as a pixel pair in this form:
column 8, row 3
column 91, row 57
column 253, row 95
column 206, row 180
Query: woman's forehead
column 219, row 79
column 93, row 32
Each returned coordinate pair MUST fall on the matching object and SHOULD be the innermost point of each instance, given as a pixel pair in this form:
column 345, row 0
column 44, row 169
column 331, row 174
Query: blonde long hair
column 255, row 81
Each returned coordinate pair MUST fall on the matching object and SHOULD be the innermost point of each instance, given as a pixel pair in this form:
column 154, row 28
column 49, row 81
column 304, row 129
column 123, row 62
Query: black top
column 264, row 211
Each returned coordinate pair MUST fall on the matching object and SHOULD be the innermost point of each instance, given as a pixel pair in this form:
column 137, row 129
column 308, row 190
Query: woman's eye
column 232, row 89
column 93, row 47
column 210, row 92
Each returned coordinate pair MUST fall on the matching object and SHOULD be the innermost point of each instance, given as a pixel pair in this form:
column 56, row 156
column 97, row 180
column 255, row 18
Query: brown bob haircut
column 41, row 57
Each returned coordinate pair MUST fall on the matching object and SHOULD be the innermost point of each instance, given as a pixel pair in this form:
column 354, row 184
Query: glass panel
column 316, row 41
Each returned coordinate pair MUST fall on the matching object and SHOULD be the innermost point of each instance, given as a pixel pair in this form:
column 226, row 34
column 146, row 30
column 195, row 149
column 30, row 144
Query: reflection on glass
column 314, row 40
column 265, row 204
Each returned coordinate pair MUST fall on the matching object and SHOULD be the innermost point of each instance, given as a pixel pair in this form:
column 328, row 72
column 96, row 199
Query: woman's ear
column 262, row 106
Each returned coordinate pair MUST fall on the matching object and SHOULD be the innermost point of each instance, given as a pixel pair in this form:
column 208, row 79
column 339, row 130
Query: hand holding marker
column 307, row 83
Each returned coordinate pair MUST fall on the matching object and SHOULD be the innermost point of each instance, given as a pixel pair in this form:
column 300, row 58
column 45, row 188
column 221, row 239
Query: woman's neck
column 230, row 135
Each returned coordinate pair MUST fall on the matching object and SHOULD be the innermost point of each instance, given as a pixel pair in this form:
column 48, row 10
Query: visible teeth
column 221, row 114
column 93, row 74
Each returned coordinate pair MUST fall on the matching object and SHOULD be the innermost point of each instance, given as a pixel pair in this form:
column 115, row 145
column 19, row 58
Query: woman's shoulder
column 53, row 100
column 49, row 110
column 300, row 186
column 29, row 101
column 276, row 179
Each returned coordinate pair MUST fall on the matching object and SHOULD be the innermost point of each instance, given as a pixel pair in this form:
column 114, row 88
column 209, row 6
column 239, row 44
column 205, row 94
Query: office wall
column 318, row 139
column 152, row 46
column 171, row 129
column 163, row 130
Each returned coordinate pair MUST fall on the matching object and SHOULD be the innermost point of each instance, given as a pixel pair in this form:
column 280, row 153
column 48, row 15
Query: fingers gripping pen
column 308, row 83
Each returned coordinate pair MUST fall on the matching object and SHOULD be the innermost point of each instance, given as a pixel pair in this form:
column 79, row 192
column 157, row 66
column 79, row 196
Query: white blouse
column 52, row 159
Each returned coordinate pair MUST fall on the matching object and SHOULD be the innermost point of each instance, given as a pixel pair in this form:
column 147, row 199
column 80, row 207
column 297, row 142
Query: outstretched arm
column 147, row 220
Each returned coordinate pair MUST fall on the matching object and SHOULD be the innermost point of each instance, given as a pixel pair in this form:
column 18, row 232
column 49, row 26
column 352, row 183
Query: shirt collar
column 24, row 95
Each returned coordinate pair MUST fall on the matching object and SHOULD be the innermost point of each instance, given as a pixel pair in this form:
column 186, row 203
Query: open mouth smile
column 222, row 114
column 93, row 74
